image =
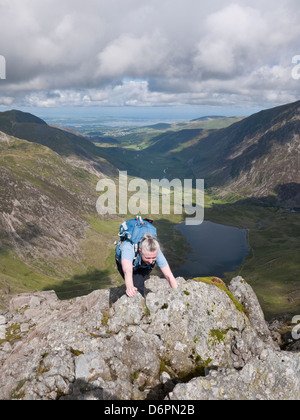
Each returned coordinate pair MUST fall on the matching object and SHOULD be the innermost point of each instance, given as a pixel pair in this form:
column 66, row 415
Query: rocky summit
column 201, row 341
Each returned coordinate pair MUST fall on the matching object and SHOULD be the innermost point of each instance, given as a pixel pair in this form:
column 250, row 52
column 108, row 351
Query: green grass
column 18, row 277
column 237, row 304
column 95, row 271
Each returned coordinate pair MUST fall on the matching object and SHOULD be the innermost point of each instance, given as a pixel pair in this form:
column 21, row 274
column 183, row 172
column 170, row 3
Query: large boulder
column 108, row 346
column 271, row 376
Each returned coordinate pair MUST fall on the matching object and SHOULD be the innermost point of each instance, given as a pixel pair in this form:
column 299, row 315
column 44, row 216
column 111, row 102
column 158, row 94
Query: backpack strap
column 136, row 252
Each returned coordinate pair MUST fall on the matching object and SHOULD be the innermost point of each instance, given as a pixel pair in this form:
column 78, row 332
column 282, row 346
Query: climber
column 135, row 267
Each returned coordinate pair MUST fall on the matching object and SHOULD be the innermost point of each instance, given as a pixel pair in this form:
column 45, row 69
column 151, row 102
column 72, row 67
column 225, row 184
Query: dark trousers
column 139, row 277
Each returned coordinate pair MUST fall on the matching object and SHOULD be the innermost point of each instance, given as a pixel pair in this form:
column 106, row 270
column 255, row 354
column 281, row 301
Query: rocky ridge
column 201, row 341
column 256, row 157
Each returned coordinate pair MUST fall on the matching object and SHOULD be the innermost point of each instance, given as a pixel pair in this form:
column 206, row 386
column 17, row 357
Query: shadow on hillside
column 81, row 285
column 28, row 233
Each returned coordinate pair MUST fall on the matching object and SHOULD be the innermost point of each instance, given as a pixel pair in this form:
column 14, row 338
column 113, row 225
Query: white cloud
column 132, row 56
column 129, row 52
column 234, row 34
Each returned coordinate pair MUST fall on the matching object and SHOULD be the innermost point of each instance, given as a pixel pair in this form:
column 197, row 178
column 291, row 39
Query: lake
column 216, row 249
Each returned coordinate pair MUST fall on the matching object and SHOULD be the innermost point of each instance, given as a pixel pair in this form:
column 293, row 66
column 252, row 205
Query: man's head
column 149, row 249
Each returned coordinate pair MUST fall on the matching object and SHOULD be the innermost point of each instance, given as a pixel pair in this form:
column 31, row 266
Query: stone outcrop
column 272, row 375
column 201, row 341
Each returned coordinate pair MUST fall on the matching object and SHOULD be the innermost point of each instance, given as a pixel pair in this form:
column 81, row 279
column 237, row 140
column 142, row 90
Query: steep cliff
column 199, row 341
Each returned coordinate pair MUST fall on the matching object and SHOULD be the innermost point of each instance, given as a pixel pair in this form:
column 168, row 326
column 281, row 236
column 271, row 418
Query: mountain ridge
column 254, row 156
column 28, row 127
column 16, row 116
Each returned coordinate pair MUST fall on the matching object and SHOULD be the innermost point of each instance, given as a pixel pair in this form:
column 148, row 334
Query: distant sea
column 126, row 116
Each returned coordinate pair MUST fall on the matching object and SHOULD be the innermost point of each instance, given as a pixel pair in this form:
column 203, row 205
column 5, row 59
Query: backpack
column 133, row 231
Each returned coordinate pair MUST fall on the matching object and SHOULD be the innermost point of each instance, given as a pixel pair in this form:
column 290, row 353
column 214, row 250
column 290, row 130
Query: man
column 135, row 269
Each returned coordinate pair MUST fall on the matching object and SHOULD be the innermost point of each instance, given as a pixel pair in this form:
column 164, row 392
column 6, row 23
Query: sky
column 219, row 56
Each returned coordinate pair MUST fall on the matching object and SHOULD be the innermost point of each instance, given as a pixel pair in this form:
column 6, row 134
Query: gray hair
column 149, row 244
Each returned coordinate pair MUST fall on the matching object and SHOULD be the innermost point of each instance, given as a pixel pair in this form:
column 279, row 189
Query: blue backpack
column 133, row 231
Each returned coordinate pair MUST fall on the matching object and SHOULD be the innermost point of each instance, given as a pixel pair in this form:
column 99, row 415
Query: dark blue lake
column 216, row 249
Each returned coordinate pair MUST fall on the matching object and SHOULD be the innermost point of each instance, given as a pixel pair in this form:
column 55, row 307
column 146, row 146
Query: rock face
column 199, row 342
column 272, row 375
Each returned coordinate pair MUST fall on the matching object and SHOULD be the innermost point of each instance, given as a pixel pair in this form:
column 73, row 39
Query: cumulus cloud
column 133, row 56
column 129, row 52
column 234, row 36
